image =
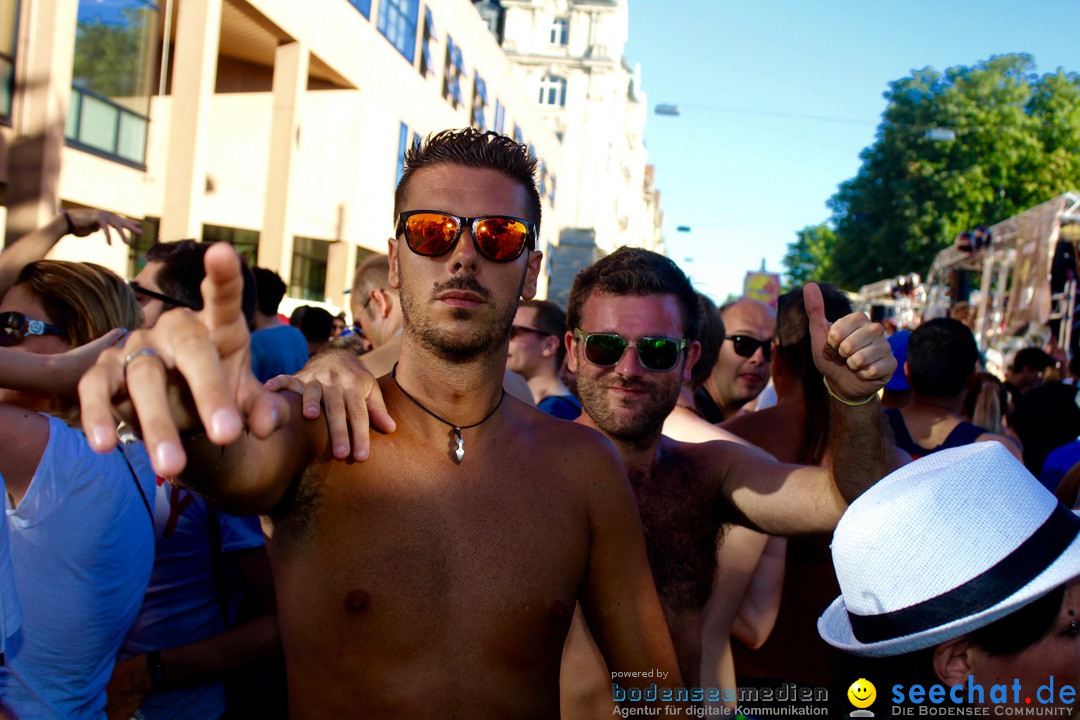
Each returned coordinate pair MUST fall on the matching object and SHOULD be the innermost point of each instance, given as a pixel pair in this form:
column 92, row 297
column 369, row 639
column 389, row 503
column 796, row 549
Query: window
column 543, row 179
column 518, row 137
column 553, row 90
column 309, row 260
column 245, row 242
column 140, row 244
column 559, row 30
column 427, row 67
column 500, row 118
column 480, row 102
column 9, row 23
column 552, row 196
column 112, row 78
column 364, row 6
column 397, row 23
column 453, row 70
column 403, row 139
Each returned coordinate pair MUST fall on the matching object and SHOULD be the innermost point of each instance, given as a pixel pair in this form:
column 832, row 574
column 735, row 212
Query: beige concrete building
column 277, row 125
column 569, row 55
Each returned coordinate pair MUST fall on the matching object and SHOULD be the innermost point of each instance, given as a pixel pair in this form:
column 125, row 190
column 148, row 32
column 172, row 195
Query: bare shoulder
column 561, row 438
column 683, row 425
column 726, row 453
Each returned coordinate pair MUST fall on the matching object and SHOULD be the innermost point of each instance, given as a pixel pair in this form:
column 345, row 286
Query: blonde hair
column 83, row 299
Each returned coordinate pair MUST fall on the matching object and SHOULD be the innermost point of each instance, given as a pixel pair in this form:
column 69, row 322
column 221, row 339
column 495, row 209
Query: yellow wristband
column 839, row 399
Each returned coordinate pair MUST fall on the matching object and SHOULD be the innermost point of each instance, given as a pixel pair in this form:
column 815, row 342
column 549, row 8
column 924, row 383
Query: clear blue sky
column 778, row 97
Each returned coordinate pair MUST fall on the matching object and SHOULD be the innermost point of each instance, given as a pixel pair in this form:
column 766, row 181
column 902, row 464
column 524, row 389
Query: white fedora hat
column 944, row 546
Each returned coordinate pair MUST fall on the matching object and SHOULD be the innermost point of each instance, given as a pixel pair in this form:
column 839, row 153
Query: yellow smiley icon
column 862, row 693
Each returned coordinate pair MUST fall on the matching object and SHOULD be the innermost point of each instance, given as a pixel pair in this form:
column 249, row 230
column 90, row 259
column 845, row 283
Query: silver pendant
column 459, row 453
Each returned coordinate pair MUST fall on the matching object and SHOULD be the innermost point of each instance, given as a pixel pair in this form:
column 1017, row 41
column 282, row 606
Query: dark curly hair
column 634, row 271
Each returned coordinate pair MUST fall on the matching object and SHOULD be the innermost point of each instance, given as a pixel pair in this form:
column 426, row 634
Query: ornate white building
column 569, row 54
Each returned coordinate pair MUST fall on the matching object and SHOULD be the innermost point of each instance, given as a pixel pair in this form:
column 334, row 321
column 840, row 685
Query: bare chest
column 681, row 519
column 414, row 552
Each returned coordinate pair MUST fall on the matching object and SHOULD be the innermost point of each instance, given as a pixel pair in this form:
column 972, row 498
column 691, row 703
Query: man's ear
column 954, row 661
column 693, row 352
column 571, row 351
column 907, row 372
column 382, row 303
column 532, row 274
column 551, row 345
column 394, row 277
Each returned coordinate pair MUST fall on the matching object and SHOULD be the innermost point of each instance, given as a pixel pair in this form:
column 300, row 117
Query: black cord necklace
column 459, row 452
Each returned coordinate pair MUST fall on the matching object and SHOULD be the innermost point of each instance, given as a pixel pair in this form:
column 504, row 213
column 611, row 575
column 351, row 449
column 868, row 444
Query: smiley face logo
column 862, row 693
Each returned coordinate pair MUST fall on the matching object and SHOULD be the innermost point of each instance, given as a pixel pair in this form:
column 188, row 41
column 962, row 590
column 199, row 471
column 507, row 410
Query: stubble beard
column 640, row 426
column 457, row 346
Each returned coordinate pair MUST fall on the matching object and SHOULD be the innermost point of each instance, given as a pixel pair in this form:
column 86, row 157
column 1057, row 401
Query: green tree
column 110, row 58
column 810, row 257
column 1017, row 143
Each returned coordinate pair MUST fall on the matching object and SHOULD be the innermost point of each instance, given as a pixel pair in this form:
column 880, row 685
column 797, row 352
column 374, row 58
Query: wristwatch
column 157, row 670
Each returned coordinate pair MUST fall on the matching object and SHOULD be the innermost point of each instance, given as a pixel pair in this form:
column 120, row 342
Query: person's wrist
column 844, row 401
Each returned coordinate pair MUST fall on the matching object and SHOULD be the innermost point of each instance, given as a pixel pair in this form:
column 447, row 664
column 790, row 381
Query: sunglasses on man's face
column 431, row 233
column 654, row 353
column 746, row 346
column 145, row 295
column 14, row 327
column 518, row 330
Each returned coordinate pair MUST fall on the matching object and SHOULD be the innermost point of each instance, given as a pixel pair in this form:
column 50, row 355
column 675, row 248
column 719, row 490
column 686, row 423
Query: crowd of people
column 475, row 504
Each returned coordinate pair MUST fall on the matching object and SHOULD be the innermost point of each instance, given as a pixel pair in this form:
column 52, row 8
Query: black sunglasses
column 746, row 346
column 517, row 330
column 500, row 238
column 654, row 353
column 153, row 294
column 14, row 327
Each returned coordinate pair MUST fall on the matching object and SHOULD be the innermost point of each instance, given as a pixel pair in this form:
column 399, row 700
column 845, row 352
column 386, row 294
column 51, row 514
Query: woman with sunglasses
column 79, row 524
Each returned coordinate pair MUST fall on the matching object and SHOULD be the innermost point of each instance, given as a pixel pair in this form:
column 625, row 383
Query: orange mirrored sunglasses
column 500, row 238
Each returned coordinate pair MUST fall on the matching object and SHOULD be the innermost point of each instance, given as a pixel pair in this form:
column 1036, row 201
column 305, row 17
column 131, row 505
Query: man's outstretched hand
column 206, row 354
column 851, row 353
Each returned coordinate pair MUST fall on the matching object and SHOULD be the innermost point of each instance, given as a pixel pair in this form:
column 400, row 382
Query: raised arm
column 856, row 362
column 57, row 373
column 79, row 222
column 205, row 355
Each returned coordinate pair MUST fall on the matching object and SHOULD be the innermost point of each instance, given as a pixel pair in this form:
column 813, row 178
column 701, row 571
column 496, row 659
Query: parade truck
column 899, row 299
column 1019, row 278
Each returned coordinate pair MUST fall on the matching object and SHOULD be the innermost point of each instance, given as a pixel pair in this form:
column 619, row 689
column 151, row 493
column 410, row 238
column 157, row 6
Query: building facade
column 569, row 55
column 276, row 125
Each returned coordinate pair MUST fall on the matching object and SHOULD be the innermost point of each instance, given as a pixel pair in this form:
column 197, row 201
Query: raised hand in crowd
column 206, row 353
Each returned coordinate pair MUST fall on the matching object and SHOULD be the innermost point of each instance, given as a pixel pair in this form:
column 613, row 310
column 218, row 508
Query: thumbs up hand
column 852, row 353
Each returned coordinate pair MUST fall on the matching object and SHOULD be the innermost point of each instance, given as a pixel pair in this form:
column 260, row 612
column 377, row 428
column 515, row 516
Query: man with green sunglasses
column 633, row 320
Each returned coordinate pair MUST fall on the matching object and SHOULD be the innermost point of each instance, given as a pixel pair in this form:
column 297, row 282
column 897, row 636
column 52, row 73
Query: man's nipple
column 357, row 601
